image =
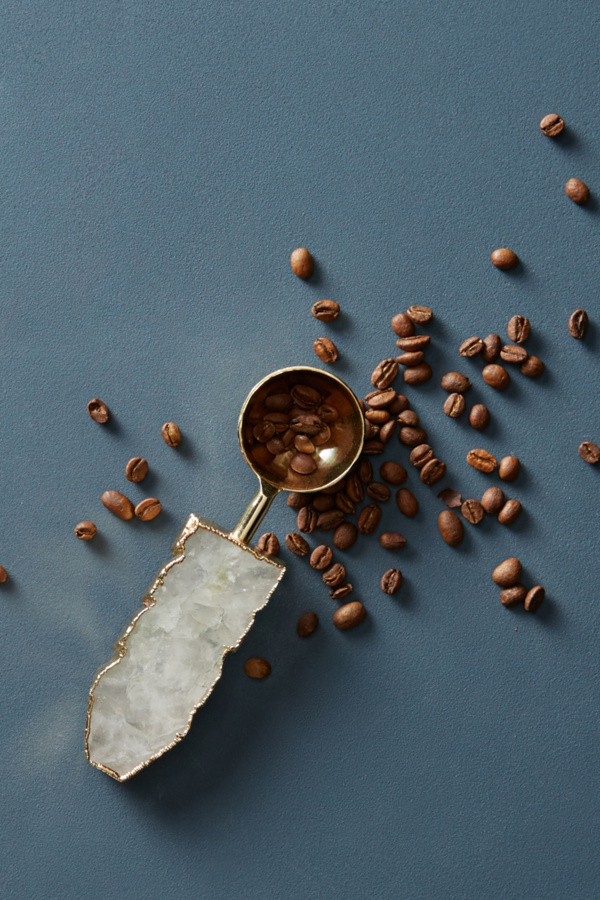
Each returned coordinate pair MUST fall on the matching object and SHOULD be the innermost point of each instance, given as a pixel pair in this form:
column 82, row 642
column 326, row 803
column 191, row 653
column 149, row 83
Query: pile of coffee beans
column 491, row 348
column 416, row 370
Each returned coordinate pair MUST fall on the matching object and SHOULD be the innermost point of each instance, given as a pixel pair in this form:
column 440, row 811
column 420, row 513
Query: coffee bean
column 514, row 595
column 365, row 472
column 472, row 511
column 454, row 405
column 413, row 344
column 407, row 502
column 306, row 520
column 482, row 460
column 577, row 191
column 552, row 125
column 305, row 396
column 589, row 452
column 479, row 417
column 471, row 347
column 98, row 411
column 398, row 405
column 343, row 502
column 533, row 367
column 263, row 432
column 433, row 471
column 345, row 535
column 408, row 417
column 257, row 667
column 455, row 383
column 450, row 527
column 412, row 437
column 578, row 324
column 325, row 310
column 369, row 518
column 334, row 575
column 171, row 434
column 493, row 500
column 377, row 416
column 393, row 473
column 118, row 504
column 85, row 531
column 387, row 431
column 509, row 468
column 330, row 519
column 297, row 544
column 512, row 353
column 507, row 573
column 302, row 263
column 491, row 348
column 136, row 469
column 380, row 399
column 303, row 464
column 496, row 376
column 371, row 431
column 504, row 258
column 411, row 359
column 321, row 557
column 268, row 544
column 510, row 512
column 355, row 488
column 334, row 488
column 338, row 593
column 305, row 423
column 402, row 325
column 421, row 455
column 296, row 500
column 391, row 581
column 325, row 350
column 391, row 540
column 278, row 402
column 518, row 329
column 384, row 374
column 378, row 491
column 328, row 413
column 417, row 375
column 349, row 616
column 420, row 315
column 534, row 598
column 303, row 444
column 3, row 575
column 148, row 509
column 451, row 498
column 373, row 447
column 307, row 624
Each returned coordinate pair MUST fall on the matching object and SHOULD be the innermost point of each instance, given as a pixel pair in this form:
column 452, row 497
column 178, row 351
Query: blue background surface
column 159, row 163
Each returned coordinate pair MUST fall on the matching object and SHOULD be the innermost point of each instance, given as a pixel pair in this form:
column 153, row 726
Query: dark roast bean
column 402, row 325
column 305, row 396
column 412, row 437
column 450, row 527
column 518, row 329
column 380, row 399
column 391, row 540
column 257, row 667
column 387, row 431
column 552, row 125
column 98, row 411
column 263, row 432
column 398, row 405
column 384, row 374
column 514, row 595
column 496, row 376
column 85, row 531
column 503, row 258
column 493, row 500
column 279, row 419
column 148, row 509
column 325, row 350
column 433, row 471
column 377, row 416
column 417, row 375
column 268, row 544
column 413, row 344
column 472, row 511
column 296, row 500
column 278, row 402
column 407, row 502
column 306, row 423
column 577, row 191
column 491, row 348
column 533, row 367
column 307, row 624
column 420, row 315
column 378, row 491
column 369, row 518
column 373, row 447
column 589, row 452
column 297, row 544
column 411, row 359
column 451, row 498
column 306, row 520
column 345, row 536
column 479, row 417
column 325, row 310
column 355, row 488
column 327, row 413
column 421, row 455
column 302, row 443
column 334, row 575
column 323, row 502
column 534, row 598
column 509, row 468
column 371, row 431
column 471, row 347
column 303, row 464
column 302, row 263
column 338, row 593
column 454, row 405
column 507, row 573
column 349, row 616
column 393, row 473
column 118, row 504
column 510, row 512
column 578, row 324
column 513, row 353
column 391, row 581
column 482, row 460
column 171, row 434
column 330, row 519
column 343, row 502
column 408, row 417
column 365, row 471
column 455, row 383
column 136, row 469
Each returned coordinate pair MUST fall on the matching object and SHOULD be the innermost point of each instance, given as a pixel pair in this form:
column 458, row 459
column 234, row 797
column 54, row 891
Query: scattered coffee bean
column 343, row 502
column 421, row 455
column 578, row 324
column 335, row 575
column 411, row 359
column 471, row 347
column 451, row 498
column 533, row 367
column 297, row 544
column 518, row 329
column 98, row 411
column 407, row 502
column 417, row 375
column 391, row 581
column 534, row 598
column 510, row 512
column 393, row 473
column 577, row 191
column 256, row 667
column 302, row 263
column 496, row 376
column 171, row 434
column 85, row 531
column 402, row 325
column 482, row 460
column 513, row 353
column 349, row 616
column 479, row 417
column 450, row 527
column 504, row 258
column 455, row 383
column 509, row 468
column 384, row 374
column 589, row 452
column 3, row 575
column 420, row 315
column 373, row 447
column 379, row 492
column 552, row 125
column 306, row 520
column 268, row 545
column 381, row 399
column 507, row 573
column 387, row 431
column 345, row 535
column 118, row 504
column 355, row 487
column 413, row 344
column 148, row 509
column 321, row 557
column 491, row 348
column 454, row 405
column 514, row 595
column 365, row 471
column 338, row 593
column 325, row 310
column 307, row 624
column 296, row 500
column 493, row 500
column 412, row 437
column 369, row 518
column 303, row 464
column 136, row 469
column 398, row 405
column 433, row 471
column 391, row 540
column 472, row 511
column 377, row 416
column 329, row 520
column 408, row 417
column 325, row 350
column 372, row 432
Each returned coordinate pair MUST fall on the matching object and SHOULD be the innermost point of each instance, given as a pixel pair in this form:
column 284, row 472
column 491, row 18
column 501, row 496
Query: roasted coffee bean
column 479, row 417
column 302, row 263
column 349, row 616
column 297, row 501
column 343, row 502
column 471, row 347
column 450, row 527
column 303, row 464
column 578, row 324
column 433, row 471
column 268, row 544
column 330, row 519
column 412, row 437
column 496, row 376
column 371, row 431
column 279, row 419
column 306, row 520
column 305, row 396
column 3, row 575
column 534, row 598
column 345, row 536
column 257, row 667
column 408, row 417
column 384, row 374
column 393, row 473
column 402, row 325
column 411, row 359
column 325, row 350
column 148, row 509
column 365, row 472
column 518, row 329
column 417, row 375
column 577, row 191
column 504, row 258
column 507, row 573
column 421, row 455
column 493, row 500
column 98, row 411
column 398, row 405
column 119, row 504
column 322, row 436
column 307, row 624
column 380, row 399
column 589, row 452
column 454, row 405
column 420, row 315
column 455, row 383
column 85, row 531
column 334, row 488
column 472, row 511
column 355, row 488
column 369, row 518
column 510, row 512
column 391, row 540
column 533, row 367
column 387, row 431
column 491, row 348
column 338, row 593
column 278, row 402
column 377, row 416
column 391, row 581
column 303, row 444
column 286, row 439
column 482, row 460
column 306, row 423
column 509, row 468
column 379, row 492
column 136, row 469
column 328, row 413
column 407, row 502
column 552, row 125
column 262, row 432
column 297, row 544
column 171, row 434
column 413, row 344
column 451, row 498
column 513, row 353
column 334, row 575
column 325, row 310
column 514, row 595
column 373, row 447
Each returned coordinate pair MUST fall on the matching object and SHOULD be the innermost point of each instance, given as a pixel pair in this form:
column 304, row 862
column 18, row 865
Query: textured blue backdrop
column 159, row 163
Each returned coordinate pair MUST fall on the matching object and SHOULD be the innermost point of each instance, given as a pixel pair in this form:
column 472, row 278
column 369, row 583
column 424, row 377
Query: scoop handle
column 255, row 512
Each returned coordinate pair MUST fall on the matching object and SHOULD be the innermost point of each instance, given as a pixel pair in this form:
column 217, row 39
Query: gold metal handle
column 255, row 512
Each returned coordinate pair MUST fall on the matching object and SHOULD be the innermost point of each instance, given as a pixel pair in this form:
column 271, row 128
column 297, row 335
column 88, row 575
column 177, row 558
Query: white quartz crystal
column 145, row 698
